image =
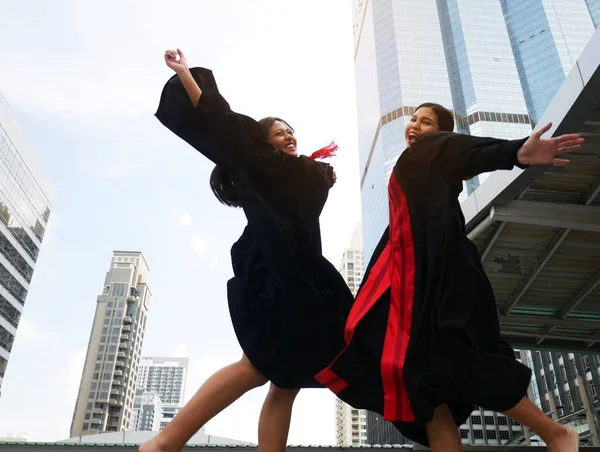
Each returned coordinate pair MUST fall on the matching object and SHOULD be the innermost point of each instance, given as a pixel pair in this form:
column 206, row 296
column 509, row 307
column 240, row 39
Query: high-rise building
column 26, row 196
column 547, row 38
column 147, row 411
column 108, row 383
column 166, row 377
column 351, row 424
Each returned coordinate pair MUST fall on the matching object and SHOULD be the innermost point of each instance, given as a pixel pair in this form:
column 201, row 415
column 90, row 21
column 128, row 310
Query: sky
column 83, row 79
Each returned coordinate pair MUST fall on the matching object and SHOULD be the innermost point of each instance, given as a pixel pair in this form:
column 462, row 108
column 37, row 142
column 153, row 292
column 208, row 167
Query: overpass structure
column 538, row 230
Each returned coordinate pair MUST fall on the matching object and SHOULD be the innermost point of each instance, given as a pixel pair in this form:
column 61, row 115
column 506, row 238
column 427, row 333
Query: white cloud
column 216, row 261
column 198, row 244
column 185, row 219
column 180, row 351
column 31, row 333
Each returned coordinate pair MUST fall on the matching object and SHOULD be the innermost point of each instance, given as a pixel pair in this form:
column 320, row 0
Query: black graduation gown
column 424, row 325
column 288, row 304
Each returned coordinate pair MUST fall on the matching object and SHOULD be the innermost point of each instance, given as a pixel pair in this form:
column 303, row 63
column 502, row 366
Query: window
column 86, row 426
column 87, row 416
column 478, row 434
column 105, row 330
column 118, row 290
column 504, row 435
column 491, row 434
column 464, row 434
column 476, row 420
column 350, row 266
column 489, row 420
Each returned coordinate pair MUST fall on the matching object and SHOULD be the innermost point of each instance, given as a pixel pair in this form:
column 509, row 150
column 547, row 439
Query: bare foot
column 567, row 441
column 154, row 446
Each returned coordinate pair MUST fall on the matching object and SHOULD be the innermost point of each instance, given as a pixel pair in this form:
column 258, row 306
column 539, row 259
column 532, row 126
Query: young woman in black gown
column 423, row 342
column 288, row 304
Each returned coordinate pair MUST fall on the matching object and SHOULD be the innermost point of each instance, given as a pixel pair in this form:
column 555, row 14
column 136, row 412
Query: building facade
column 108, row 383
column 547, row 38
column 566, row 388
column 166, row 377
column 147, row 412
column 26, row 196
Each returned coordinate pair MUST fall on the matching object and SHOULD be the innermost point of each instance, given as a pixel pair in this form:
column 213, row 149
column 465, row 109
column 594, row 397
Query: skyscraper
column 166, row 377
column 547, row 38
column 26, row 196
column 107, row 388
column 495, row 63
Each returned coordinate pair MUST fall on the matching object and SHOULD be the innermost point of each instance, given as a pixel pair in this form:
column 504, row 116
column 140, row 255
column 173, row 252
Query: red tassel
column 326, row 152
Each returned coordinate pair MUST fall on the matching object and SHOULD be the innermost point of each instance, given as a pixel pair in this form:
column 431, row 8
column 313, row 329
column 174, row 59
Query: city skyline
column 122, row 182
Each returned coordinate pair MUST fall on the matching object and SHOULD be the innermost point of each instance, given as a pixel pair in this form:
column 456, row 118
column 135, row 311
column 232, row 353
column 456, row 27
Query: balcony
column 96, row 421
column 124, row 346
column 117, row 381
column 127, row 319
column 115, row 402
column 116, row 392
column 125, row 337
column 118, row 372
column 127, row 328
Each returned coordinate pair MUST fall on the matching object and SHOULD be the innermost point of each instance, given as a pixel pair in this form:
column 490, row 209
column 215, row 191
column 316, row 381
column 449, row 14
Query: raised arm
column 177, row 61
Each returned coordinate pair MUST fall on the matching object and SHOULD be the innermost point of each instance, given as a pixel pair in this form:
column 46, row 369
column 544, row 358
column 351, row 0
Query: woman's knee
column 284, row 393
column 251, row 373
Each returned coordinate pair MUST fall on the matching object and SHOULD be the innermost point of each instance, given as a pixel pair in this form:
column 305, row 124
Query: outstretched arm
column 460, row 157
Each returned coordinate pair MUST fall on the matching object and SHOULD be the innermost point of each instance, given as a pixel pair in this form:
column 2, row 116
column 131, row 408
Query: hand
column 334, row 176
column 176, row 60
column 537, row 151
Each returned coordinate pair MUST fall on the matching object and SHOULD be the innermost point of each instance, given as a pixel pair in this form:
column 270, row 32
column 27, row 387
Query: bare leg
column 218, row 392
column 275, row 418
column 559, row 438
column 442, row 431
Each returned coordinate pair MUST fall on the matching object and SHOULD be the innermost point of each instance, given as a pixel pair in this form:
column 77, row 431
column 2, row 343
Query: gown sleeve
column 233, row 141
column 459, row 156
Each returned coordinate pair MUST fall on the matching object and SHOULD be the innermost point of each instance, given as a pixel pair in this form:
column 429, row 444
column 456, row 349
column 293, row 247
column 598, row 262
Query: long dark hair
column 221, row 183
column 444, row 116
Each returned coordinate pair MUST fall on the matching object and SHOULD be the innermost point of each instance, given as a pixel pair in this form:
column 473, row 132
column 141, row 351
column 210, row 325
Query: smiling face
column 422, row 121
column 281, row 136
